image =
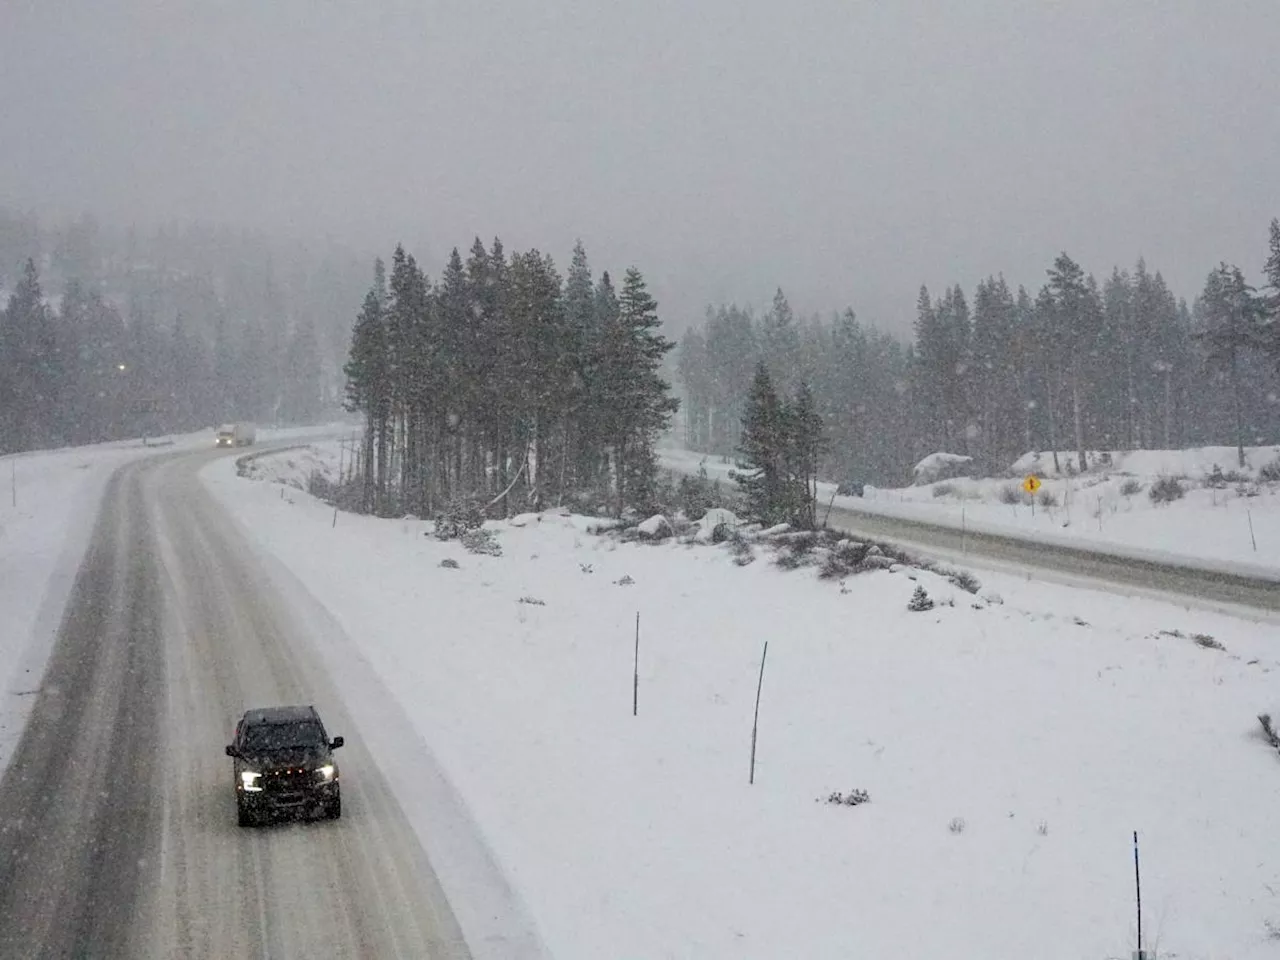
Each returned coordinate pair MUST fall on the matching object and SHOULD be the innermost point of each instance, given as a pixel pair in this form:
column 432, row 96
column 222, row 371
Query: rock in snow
column 940, row 466
column 656, row 526
column 713, row 520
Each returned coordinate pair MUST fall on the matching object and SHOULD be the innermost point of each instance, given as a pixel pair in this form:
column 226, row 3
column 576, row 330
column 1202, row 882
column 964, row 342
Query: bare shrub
column 853, row 798
column 944, row 489
column 481, row 541
column 1047, row 499
column 457, row 518
column 1166, row 490
column 956, row 825
column 1206, row 641
column 1130, row 487
column 1010, row 494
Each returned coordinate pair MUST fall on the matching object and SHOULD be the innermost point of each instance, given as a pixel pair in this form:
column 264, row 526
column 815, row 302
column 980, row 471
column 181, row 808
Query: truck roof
column 290, row 714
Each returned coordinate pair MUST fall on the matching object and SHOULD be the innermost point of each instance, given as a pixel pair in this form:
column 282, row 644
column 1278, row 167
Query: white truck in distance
column 236, row 435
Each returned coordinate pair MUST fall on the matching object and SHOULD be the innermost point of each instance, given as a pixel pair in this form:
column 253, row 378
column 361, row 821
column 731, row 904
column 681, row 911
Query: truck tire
column 243, row 816
column 333, row 808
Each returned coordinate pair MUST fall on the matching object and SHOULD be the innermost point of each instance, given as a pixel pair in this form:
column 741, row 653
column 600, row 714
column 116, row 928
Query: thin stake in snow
column 964, row 533
column 335, row 518
column 1254, row 540
column 635, row 673
column 1137, row 881
column 755, row 723
column 13, row 480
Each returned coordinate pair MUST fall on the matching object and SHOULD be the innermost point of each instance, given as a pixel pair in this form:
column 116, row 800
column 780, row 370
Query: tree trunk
column 1053, row 420
column 1235, row 392
column 1076, row 414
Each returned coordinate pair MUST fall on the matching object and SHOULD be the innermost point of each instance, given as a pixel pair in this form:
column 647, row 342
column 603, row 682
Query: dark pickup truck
column 284, row 764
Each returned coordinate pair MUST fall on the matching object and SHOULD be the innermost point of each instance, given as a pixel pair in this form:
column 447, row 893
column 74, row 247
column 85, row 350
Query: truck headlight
column 325, row 772
column 249, row 780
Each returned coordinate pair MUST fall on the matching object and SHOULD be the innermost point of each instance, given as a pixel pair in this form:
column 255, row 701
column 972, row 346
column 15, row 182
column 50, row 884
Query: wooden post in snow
column 755, row 723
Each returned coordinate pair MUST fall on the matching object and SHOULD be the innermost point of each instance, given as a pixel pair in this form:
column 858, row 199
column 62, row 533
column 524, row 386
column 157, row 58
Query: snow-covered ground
column 48, row 503
column 1236, row 525
column 1009, row 748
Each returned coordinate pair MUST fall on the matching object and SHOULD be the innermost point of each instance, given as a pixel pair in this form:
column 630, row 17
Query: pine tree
column 368, row 390
column 1269, row 334
column 692, row 367
column 586, row 391
column 29, row 351
column 1233, row 315
column 804, row 445
column 1077, row 319
column 780, row 343
column 300, row 400
column 761, row 473
column 459, row 346
column 638, row 406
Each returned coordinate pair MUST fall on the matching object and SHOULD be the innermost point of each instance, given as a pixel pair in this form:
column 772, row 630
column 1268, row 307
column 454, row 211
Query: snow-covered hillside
column 1235, row 521
column 1009, row 746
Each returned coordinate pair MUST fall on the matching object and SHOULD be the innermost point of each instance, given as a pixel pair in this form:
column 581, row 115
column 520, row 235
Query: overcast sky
column 846, row 150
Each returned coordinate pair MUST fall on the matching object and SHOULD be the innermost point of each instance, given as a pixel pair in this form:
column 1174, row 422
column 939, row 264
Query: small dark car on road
column 284, row 764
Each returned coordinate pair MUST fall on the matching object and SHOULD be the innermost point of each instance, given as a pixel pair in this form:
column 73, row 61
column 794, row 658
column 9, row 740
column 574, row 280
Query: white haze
column 847, row 151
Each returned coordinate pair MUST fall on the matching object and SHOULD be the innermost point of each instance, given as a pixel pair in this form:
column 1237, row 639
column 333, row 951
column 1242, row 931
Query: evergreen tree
column 584, row 431
column 693, row 368
column 29, row 351
column 805, row 444
column 1269, row 334
column 301, row 399
column 780, row 343
column 639, row 407
column 761, row 473
column 1077, row 318
column 368, row 372
column 1232, row 313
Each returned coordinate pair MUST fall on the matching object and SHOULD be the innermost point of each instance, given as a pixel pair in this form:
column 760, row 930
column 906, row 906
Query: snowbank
column 1008, row 749
column 941, row 466
column 1235, row 527
column 1196, row 463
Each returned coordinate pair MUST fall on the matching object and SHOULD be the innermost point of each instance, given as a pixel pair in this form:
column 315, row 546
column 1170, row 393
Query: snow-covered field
column 1009, row 748
column 48, row 502
column 1236, row 525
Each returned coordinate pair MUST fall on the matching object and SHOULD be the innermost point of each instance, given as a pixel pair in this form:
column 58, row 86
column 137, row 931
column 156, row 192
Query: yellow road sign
column 1031, row 484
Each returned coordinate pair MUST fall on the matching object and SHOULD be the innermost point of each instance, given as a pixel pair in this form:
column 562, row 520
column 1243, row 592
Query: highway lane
column 1059, row 562
column 119, row 836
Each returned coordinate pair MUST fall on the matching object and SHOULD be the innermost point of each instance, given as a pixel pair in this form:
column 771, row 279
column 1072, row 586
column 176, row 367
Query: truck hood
column 278, row 759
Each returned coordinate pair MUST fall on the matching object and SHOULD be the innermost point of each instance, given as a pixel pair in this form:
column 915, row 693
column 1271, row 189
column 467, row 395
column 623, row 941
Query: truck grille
column 281, row 783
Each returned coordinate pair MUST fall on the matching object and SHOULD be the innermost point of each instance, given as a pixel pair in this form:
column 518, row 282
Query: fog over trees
column 504, row 376
column 111, row 333
column 1076, row 364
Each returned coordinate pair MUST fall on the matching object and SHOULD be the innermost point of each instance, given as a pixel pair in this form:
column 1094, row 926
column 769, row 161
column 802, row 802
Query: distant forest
column 1075, row 365
column 502, row 375
column 111, row 333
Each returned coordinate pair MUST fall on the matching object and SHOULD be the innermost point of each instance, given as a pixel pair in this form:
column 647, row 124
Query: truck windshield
column 283, row 736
